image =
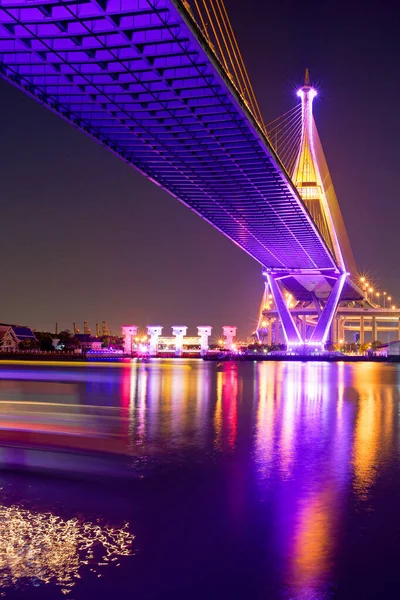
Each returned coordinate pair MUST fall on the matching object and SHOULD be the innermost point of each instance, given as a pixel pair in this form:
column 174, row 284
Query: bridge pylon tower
column 319, row 289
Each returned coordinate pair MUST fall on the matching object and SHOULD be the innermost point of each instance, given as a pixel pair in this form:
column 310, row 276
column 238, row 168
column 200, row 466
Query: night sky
column 84, row 236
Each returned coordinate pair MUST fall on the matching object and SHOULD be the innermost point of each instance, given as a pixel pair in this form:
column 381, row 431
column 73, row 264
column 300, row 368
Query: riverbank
column 83, row 359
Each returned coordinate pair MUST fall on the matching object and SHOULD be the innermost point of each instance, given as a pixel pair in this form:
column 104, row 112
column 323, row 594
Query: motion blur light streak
column 279, row 463
column 41, row 547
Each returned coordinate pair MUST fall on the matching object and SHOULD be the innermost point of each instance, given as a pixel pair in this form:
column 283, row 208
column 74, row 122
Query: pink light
column 312, row 92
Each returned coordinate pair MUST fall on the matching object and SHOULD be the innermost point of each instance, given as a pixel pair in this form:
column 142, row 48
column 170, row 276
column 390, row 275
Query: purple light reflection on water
column 261, row 480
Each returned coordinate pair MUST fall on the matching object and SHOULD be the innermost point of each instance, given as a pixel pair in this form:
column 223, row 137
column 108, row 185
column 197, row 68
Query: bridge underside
column 138, row 77
column 307, row 286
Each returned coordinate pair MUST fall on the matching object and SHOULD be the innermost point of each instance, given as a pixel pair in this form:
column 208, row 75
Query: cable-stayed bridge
column 161, row 83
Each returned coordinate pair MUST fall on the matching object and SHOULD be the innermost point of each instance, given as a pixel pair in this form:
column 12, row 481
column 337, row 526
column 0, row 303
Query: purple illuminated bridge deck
column 137, row 76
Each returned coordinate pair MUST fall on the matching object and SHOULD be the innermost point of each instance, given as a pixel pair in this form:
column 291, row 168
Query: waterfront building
column 85, row 342
column 12, row 335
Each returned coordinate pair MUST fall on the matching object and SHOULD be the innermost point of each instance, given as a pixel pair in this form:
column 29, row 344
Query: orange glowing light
column 44, row 547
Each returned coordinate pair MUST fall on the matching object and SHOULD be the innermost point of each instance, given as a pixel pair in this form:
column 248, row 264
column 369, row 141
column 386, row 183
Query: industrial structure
column 155, row 344
column 161, row 83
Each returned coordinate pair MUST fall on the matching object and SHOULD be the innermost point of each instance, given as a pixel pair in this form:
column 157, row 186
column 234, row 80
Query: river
column 186, row 479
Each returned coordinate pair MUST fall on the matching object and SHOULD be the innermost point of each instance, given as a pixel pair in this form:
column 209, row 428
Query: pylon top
column 307, row 91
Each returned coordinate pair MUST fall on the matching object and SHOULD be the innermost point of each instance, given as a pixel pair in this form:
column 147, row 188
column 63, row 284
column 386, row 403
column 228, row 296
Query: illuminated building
column 88, row 342
column 154, row 331
column 229, row 333
column 204, row 333
column 12, row 335
column 128, row 332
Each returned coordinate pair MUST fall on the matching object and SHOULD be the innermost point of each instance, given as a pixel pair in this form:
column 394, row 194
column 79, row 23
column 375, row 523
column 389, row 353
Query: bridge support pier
column 334, row 331
column 291, row 332
column 374, row 330
column 340, row 328
column 362, row 334
column 304, row 327
column 269, row 332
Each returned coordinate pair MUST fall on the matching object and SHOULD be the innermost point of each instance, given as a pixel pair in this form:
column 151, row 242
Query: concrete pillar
column 362, row 337
column 374, row 331
column 304, row 327
column 274, row 329
column 128, row 332
column 334, row 331
column 204, row 332
column 154, row 332
column 179, row 331
column 340, row 323
column 229, row 333
column 269, row 332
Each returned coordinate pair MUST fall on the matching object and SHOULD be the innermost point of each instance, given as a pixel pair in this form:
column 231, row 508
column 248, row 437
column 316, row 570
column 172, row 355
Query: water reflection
column 296, row 442
column 374, row 427
column 225, row 414
column 38, row 547
column 318, row 427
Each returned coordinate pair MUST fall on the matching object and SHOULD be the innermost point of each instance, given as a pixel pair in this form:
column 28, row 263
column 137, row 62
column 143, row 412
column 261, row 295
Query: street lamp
column 384, row 299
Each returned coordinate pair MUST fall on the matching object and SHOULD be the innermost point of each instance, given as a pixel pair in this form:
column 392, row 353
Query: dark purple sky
column 84, row 236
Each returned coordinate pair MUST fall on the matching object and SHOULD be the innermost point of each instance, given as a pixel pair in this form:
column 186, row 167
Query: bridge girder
column 138, row 77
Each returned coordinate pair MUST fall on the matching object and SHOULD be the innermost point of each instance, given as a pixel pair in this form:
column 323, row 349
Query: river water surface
column 193, row 480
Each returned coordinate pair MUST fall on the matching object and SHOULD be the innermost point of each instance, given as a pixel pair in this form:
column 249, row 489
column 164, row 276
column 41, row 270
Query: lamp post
column 384, row 299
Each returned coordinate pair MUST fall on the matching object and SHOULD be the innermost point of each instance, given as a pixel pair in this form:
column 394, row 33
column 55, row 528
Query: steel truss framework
column 138, row 76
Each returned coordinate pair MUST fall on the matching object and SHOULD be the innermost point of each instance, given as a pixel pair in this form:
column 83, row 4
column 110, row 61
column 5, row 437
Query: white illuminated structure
column 154, row 332
column 229, row 333
column 128, row 332
column 179, row 331
column 204, row 333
